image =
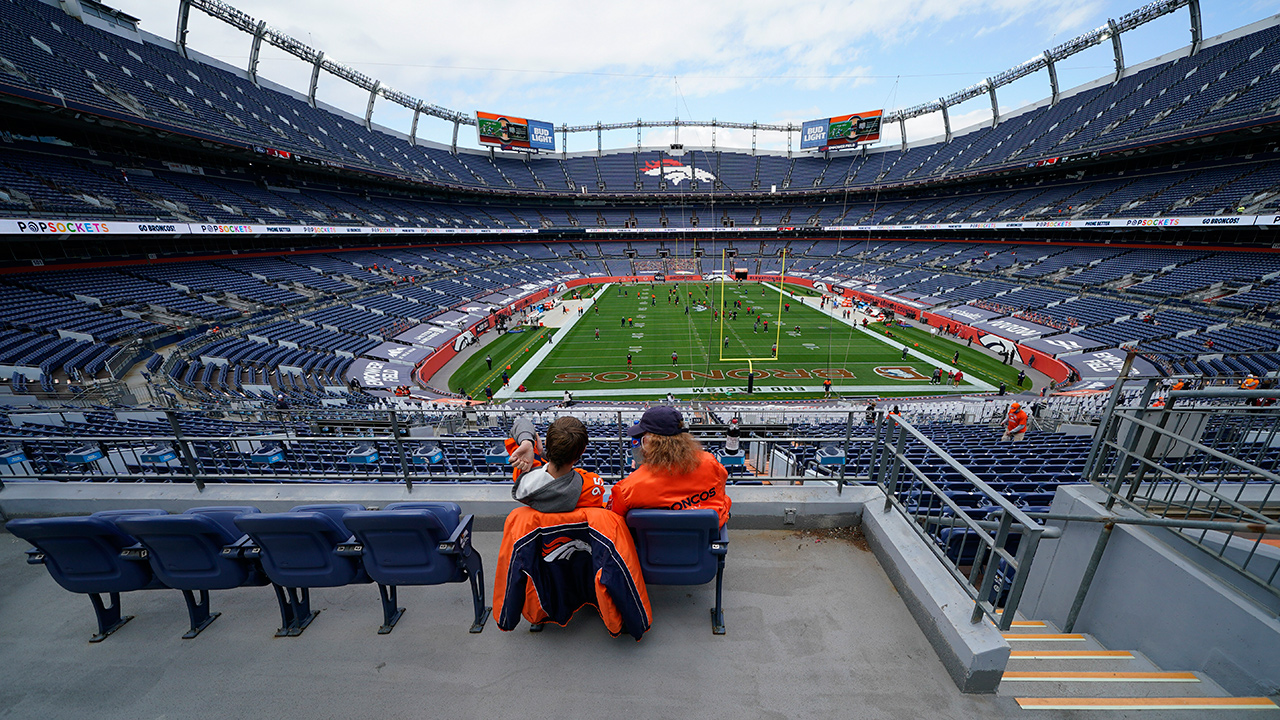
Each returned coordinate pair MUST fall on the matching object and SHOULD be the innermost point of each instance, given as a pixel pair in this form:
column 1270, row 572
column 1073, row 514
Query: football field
column 713, row 355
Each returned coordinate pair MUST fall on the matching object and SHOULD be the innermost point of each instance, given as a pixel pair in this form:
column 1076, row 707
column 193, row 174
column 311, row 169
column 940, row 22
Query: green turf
column 979, row 364
column 508, row 349
column 824, row 346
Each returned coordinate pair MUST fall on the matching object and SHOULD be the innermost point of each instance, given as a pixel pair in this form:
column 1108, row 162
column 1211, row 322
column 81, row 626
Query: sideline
column 980, row 385
column 634, row 391
column 509, row 391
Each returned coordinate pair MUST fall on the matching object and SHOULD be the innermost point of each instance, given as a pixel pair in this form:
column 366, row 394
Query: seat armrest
column 459, row 543
column 351, row 547
column 135, row 552
column 239, row 548
column 720, row 545
column 35, row 557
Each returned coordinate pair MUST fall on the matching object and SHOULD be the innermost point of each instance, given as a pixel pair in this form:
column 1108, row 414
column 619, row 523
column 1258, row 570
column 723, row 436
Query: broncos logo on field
column 899, row 372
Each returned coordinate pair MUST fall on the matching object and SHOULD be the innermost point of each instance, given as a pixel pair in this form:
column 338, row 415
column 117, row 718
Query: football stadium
column 918, row 411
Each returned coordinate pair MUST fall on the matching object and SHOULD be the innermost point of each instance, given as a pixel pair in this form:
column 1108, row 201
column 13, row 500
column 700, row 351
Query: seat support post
column 109, row 619
column 717, row 612
column 295, row 610
column 390, row 613
column 475, row 572
column 199, row 613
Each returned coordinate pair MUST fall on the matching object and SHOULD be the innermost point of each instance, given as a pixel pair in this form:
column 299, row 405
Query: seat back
column 185, row 550
column 450, row 513
column 224, row 515
column 83, row 553
column 674, row 546
column 401, row 547
column 336, row 511
column 298, row 548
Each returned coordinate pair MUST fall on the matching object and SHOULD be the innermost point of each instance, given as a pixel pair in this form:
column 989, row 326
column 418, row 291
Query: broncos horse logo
column 674, row 171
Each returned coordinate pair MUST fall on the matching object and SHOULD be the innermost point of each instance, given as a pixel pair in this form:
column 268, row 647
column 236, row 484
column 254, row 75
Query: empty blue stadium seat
column 299, row 551
column 682, row 547
column 417, row 543
column 194, row 552
column 84, row 555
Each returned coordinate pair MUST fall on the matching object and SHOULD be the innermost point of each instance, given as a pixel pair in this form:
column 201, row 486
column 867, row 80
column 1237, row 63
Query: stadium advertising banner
column 426, row 336
column 1106, row 364
column 969, row 313
column 1063, row 344
column 509, row 132
column 1014, row 329
column 379, row 374
column 842, row 131
column 400, row 354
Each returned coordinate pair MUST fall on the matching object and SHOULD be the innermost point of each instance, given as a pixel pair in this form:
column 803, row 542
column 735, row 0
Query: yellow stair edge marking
column 1176, row 703
column 1071, row 654
column 1042, row 636
column 1027, row 623
column 1086, row 676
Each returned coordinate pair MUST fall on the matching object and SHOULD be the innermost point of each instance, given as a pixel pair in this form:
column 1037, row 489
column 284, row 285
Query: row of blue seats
column 313, row 546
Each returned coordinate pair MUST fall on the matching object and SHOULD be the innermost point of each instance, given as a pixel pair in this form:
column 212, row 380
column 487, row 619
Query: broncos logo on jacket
column 552, row 564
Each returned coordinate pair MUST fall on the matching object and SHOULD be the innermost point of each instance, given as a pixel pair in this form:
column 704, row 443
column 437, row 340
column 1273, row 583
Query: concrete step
column 1104, row 685
column 1078, row 661
column 1195, row 705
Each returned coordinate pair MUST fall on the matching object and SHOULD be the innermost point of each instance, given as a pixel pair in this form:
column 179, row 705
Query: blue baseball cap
column 659, row 421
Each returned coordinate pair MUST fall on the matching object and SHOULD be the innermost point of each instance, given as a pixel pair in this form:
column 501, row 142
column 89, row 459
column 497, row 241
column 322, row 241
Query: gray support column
column 995, row 105
column 902, row 127
column 638, row 138
column 413, row 129
column 713, row 134
column 368, row 112
column 72, row 8
column 454, row 148
column 315, row 79
column 253, row 51
column 599, row 140
column 788, row 140
column 564, row 141
column 754, row 128
column 946, row 120
column 1115, row 44
column 1197, row 32
column 180, row 37
column 1053, row 78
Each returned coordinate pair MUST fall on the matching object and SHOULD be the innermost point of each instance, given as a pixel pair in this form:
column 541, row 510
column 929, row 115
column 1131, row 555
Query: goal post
column 777, row 341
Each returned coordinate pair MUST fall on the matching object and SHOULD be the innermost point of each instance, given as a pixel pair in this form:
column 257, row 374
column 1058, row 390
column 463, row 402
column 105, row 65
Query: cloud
column 576, row 61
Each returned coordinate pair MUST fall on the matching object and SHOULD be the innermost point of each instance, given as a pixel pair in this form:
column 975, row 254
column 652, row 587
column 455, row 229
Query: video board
column 842, row 131
column 511, row 132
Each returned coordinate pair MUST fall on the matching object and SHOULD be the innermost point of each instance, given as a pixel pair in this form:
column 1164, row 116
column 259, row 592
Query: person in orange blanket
column 556, row 486
column 675, row 472
column 564, row 551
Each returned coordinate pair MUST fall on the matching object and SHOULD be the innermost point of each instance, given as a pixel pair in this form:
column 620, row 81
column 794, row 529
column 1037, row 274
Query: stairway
column 1049, row 670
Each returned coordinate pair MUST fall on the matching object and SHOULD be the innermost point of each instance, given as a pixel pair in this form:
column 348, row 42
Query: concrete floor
column 815, row 629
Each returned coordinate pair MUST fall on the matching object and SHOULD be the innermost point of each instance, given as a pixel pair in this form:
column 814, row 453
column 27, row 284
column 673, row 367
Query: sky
column 579, row 62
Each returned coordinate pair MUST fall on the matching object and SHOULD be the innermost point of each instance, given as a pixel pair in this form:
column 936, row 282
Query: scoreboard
column 510, row 132
column 842, row 131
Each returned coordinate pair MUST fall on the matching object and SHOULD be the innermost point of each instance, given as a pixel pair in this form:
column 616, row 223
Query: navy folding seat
column 299, row 551
column 86, row 555
column 417, row 543
column 682, row 547
column 197, row 551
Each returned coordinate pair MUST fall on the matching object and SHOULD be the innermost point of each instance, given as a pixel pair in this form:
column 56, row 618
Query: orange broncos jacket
column 647, row 488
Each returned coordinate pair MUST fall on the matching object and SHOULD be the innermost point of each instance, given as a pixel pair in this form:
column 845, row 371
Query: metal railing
column 1203, row 461
column 317, row 446
column 983, row 539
